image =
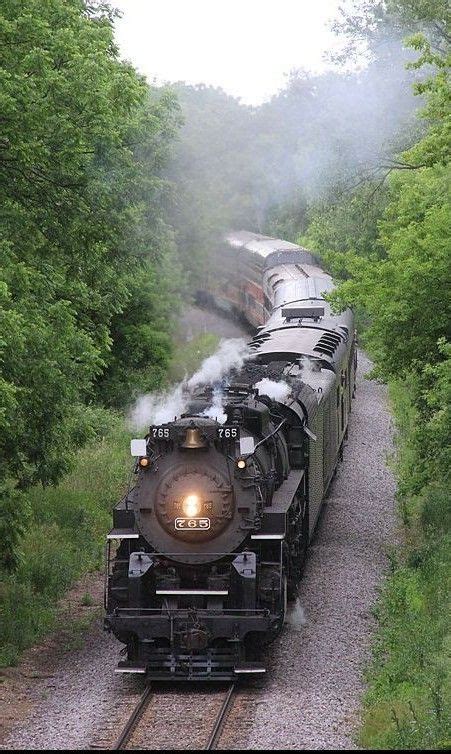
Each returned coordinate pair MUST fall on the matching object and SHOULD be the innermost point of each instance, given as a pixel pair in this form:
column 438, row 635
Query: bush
column 408, row 701
column 64, row 536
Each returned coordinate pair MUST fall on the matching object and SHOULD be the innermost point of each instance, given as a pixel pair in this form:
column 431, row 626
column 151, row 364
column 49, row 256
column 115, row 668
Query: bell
column 193, row 439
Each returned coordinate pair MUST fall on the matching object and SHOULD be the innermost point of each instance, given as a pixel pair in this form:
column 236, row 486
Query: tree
column 82, row 151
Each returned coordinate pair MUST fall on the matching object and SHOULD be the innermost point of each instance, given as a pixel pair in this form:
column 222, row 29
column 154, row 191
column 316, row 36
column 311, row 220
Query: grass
column 67, row 524
column 408, row 699
column 189, row 355
column 87, row 600
column 64, row 539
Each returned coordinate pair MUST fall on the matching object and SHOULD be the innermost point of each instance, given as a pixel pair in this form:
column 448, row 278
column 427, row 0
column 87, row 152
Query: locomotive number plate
column 190, row 524
column 228, row 433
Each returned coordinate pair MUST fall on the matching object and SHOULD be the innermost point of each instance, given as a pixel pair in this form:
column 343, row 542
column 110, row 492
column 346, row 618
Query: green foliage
column 84, row 143
column 87, row 600
column 190, row 354
column 407, row 704
column 140, row 355
column 406, row 294
column 13, row 524
column 347, row 227
column 64, row 538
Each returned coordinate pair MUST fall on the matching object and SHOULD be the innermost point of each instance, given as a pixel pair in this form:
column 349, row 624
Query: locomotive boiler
column 208, row 545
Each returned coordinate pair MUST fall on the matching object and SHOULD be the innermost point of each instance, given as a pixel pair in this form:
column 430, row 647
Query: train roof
column 291, row 341
column 259, row 244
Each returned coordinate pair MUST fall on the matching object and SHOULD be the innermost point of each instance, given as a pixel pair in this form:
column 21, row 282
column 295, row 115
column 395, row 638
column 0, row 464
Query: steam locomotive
column 209, row 544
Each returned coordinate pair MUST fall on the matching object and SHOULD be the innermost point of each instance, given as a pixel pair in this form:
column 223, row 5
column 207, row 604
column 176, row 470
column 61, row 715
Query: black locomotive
column 213, row 536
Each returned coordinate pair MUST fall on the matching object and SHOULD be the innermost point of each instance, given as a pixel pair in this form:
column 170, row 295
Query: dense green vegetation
column 109, row 202
column 394, row 261
column 64, row 529
column 85, row 293
column 64, row 537
column 83, row 144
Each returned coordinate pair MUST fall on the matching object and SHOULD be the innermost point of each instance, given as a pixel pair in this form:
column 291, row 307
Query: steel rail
column 217, row 730
column 133, row 720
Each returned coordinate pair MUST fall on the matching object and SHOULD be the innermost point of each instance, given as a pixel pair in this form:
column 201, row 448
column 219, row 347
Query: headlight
column 191, row 506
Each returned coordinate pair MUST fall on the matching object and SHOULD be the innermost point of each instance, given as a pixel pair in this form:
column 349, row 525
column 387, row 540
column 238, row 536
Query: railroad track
column 121, row 743
column 221, row 718
column 133, row 723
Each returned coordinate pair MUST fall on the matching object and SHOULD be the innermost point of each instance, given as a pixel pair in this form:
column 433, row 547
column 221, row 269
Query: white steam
column 216, row 410
column 310, row 367
column 296, row 617
column 277, row 391
column 231, row 353
column 159, row 408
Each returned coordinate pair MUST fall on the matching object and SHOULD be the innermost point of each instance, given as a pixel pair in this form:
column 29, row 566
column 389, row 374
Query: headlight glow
column 191, row 506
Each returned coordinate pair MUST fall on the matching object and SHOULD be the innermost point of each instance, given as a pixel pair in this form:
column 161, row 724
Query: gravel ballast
column 314, row 684
column 315, row 676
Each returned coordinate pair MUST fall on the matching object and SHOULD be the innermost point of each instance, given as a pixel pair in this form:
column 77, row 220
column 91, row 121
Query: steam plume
column 158, row 408
column 278, row 391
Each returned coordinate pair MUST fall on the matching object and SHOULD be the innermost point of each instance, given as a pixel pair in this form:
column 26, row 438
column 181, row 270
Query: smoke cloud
column 216, row 410
column 278, row 391
column 231, row 353
column 159, row 408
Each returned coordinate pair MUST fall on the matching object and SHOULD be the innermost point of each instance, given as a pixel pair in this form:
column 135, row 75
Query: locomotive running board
column 123, row 668
column 122, row 534
column 193, row 592
column 248, row 667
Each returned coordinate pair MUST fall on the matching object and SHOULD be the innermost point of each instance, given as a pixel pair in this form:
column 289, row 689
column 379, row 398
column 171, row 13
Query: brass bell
column 193, row 439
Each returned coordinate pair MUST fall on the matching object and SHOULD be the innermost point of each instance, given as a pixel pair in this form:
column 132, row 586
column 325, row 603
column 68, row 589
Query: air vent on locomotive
column 328, row 343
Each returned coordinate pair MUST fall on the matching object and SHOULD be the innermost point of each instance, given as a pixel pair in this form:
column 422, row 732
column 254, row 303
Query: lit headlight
column 191, row 506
